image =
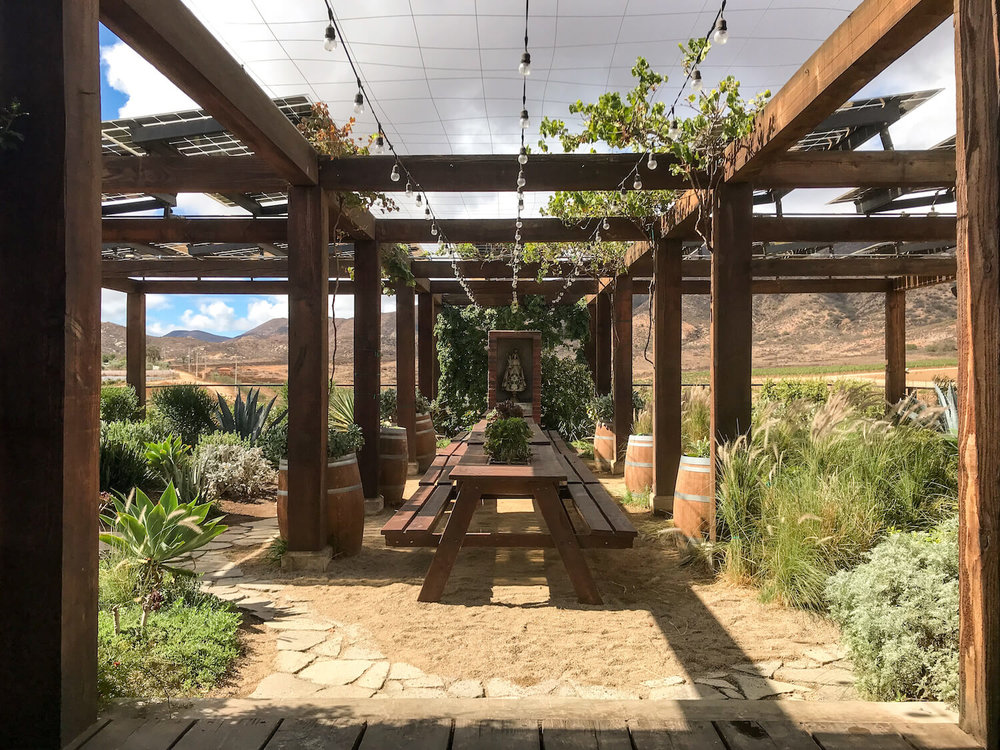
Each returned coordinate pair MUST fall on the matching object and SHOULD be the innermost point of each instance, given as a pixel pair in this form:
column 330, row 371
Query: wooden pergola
column 51, row 232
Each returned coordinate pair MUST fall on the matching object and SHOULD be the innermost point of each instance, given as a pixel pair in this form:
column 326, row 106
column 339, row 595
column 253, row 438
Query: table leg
column 451, row 542
column 567, row 545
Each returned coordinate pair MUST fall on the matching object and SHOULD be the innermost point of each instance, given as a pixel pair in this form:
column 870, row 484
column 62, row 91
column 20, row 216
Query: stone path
column 322, row 658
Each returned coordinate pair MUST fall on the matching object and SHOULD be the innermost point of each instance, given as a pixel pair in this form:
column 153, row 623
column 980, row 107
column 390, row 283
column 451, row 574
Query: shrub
column 122, row 456
column 221, row 438
column 506, row 410
column 234, row 472
column 119, row 403
column 696, row 419
column 601, row 409
column 898, row 614
column 187, row 410
column 643, row 422
column 814, row 391
column 507, row 441
column 173, row 463
column 387, row 404
column 339, row 441
column 421, row 403
column 566, row 388
column 247, row 418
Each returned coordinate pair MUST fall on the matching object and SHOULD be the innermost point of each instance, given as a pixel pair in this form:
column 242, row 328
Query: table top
column 544, row 466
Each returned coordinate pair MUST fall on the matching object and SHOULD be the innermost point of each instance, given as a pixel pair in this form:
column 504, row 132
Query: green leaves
column 246, row 418
column 507, row 440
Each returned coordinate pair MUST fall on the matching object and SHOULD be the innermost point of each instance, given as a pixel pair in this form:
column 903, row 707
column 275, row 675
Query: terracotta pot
column 343, row 508
column 694, row 505
column 392, row 465
column 639, row 463
column 425, row 440
column 604, row 447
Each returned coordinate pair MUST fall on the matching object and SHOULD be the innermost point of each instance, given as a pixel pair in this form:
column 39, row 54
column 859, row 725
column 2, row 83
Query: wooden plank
column 885, row 169
column 937, row 737
column 850, row 736
column 547, row 286
column 496, row 735
column 367, row 350
column 50, row 327
column 308, row 358
column 316, row 734
column 411, row 735
column 402, row 517
column 139, row 734
column 853, row 228
column 895, row 346
column 765, row 735
column 586, row 505
column 602, row 382
column 210, row 286
column 185, row 229
column 674, row 735
column 666, row 372
column 170, row 36
column 611, row 509
column 426, row 518
column 551, row 507
column 227, row 734
column 451, row 542
column 622, row 365
column 135, row 344
column 406, row 356
column 188, row 174
column 977, row 68
column 500, row 230
column 568, row 734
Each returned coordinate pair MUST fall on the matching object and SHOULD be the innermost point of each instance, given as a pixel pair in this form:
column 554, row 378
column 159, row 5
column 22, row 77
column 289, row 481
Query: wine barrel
column 426, row 442
column 639, row 463
column 604, row 447
column 694, row 505
column 344, row 506
column 392, row 465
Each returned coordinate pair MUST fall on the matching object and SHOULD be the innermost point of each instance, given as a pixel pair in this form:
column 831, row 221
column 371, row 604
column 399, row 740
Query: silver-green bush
column 235, row 471
column 898, row 613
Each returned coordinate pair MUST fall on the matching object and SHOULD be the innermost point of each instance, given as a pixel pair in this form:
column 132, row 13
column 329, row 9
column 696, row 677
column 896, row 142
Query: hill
column 199, row 335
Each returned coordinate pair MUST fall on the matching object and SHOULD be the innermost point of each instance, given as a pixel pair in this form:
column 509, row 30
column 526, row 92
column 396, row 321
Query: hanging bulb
column 597, row 236
column 434, row 230
column 420, row 200
column 409, row 188
column 637, row 184
column 674, row 130
column 427, row 213
column 518, row 223
column 932, row 212
column 379, row 146
column 394, row 174
column 517, row 235
column 520, row 203
column 525, row 67
column 651, row 164
column 522, row 156
column 441, row 241
column 520, row 178
column 330, row 42
column 696, row 82
column 359, row 103
column 524, row 119
column 624, row 193
column 721, row 34
column 605, row 226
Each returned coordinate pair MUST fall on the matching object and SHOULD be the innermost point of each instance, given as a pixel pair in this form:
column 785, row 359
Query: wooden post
column 135, row 343
column 732, row 318
column 895, row 346
column 367, row 354
column 666, row 372
column 435, row 362
column 622, row 367
column 590, row 348
column 602, row 381
column 425, row 343
column 308, row 374
column 50, row 303
column 406, row 415
column 978, row 194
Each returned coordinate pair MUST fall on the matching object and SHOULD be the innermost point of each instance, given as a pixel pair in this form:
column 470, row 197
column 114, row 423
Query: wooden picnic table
column 576, row 509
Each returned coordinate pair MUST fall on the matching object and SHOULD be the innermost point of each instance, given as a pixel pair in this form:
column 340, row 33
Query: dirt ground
column 512, row 613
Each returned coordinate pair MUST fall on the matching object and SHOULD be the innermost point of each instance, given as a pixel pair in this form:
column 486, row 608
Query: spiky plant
column 246, row 418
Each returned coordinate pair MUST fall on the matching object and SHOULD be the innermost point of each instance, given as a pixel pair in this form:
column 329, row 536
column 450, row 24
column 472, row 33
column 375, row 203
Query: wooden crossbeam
column 502, row 230
column 551, row 286
column 853, row 228
column 189, row 174
column 231, row 229
column 171, row 37
column 211, row 286
column 829, row 169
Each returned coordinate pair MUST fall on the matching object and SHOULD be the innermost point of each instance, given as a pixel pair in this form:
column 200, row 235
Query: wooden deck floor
column 535, row 725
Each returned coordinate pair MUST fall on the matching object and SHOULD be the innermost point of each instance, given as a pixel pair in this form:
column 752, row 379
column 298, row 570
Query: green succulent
column 246, row 418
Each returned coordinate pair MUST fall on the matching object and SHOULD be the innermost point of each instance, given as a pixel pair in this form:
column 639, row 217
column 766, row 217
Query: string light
column 518, row 223
column 674, row 131
column 525, row 67
column 605, row 226
column 330, row 40
column 394, row 174
column 434, row 230
column 696, row 83
column 409, row 188
column 359, row 102
column 522, row 156
column 651, row 164
column 637, row 183
column 721, row 33
column 524, row 119
column 520, row 179
column 427, row 213
column 420, row 200
column 379, row 146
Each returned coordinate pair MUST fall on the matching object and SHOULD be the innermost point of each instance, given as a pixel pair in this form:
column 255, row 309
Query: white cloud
column 158, row 302
column 158, row 329
column 262, row 310
column 212, row 315
column 113, row 306
column 149, row 92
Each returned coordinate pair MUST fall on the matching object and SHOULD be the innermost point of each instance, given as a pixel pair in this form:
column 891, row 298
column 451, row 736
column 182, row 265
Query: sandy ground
column 512, row 613
column 257, row 647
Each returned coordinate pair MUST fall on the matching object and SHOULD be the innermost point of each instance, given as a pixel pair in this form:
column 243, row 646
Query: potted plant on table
column 507, row 434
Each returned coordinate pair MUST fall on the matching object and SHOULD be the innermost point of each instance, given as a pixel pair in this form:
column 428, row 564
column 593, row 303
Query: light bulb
column 419, row 200
column 525, row 67
column 605, row 225
column 518, row 223
column 359, row 103
column 597, row 237
column 394, row 174
column 524, row 119
column 441, row 241
column 624, row 193
column 517, row 235
column 932, row 212
column 721, row 34
column 637, row 184
column 409, row 188
column 427, row 213
column 696, row 82
column 522, row 156
column 520, row 203
column 520, row 178
column 651, row 164
column 434, row 230
column 330, row 42
column 379, row 146
column 674, row 130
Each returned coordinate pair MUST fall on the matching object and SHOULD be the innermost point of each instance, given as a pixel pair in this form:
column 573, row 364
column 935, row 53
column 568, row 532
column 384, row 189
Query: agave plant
column 154, row 536
column 172, row 461
column 342, row 408
column 246, row 418
column 948, row 400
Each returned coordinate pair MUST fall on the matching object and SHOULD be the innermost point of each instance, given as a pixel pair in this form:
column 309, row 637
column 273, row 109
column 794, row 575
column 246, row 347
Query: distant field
column 791, row 371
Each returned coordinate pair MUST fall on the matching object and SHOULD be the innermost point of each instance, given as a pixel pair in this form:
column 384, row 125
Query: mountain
column 199, row 335
column 275, row 326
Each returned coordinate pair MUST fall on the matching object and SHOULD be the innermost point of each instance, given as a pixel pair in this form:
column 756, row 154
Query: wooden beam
column 189, row 174
column 851, row 228
column 977, row 69
column 50, row 344
column 604, row 317
column 211, row 286
column 732, row 320
column 551, row 287
column 829, row 169
column 135, row 344
column 406, row 357
column 895, row 346
column 666, row 372
column 171, row 37
column 485, row 269
column 308, row 373
column 367, row 353
column 182, row 229
column 452, row 173
column 622, row 365
column 871, row 38
column 502, row 230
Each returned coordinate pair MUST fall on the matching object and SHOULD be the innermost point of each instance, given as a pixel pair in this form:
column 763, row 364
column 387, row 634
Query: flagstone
column 335, row 671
